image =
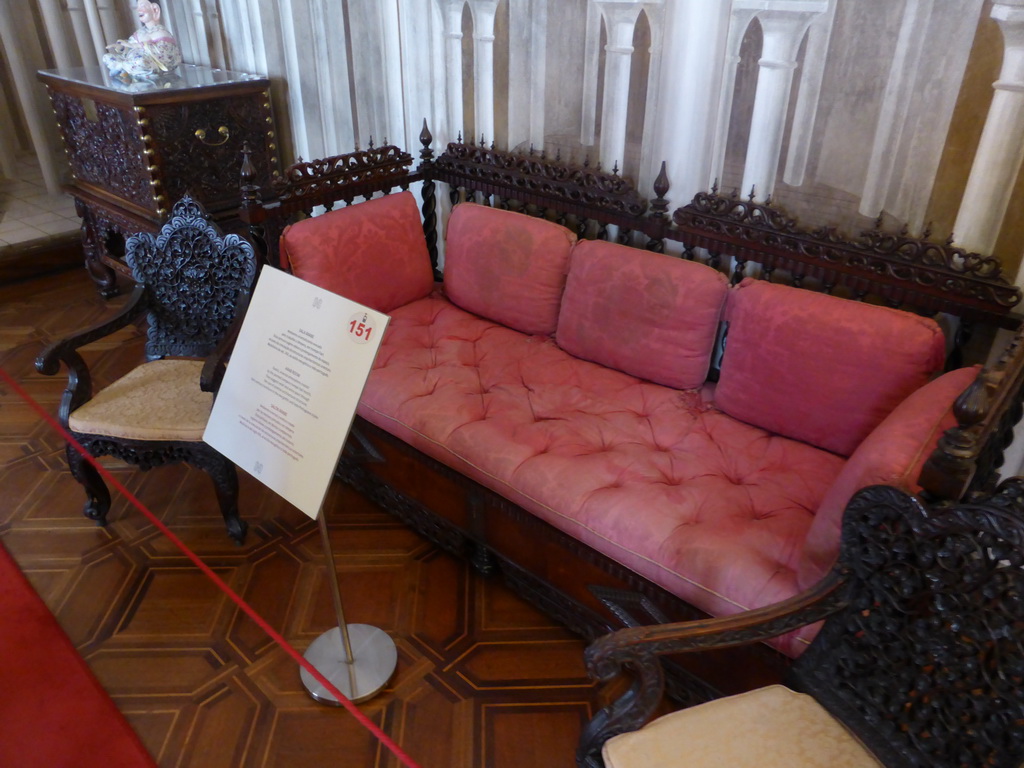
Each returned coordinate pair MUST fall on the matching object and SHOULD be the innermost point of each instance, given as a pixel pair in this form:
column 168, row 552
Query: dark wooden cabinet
column 136, row 148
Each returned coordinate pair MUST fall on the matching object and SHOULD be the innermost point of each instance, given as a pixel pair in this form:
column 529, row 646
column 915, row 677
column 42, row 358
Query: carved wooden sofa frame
column 585, row 591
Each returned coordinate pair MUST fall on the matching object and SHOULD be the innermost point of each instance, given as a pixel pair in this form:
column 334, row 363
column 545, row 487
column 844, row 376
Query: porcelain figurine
column 150, row 53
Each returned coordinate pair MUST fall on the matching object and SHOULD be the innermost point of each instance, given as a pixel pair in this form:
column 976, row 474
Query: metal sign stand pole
column 358, row 659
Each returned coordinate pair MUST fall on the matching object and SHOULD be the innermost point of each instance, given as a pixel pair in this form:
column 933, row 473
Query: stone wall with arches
column 842, row 110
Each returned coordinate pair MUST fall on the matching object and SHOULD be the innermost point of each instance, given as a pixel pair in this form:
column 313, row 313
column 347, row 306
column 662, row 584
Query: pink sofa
column 575, row 380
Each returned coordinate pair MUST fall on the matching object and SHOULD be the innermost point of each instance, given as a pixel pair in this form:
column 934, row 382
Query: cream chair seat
column 771, row 727
column 159, row 400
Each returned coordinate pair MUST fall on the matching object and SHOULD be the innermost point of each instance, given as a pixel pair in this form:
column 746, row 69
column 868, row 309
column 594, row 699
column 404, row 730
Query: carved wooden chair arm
column 639, row 649
column 79, row 388
column 606, row 655
column 216, row 363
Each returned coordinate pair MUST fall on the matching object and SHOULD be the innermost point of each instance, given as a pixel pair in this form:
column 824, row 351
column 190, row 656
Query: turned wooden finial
column 426, row 153
column 250, row 189
column 659, row 204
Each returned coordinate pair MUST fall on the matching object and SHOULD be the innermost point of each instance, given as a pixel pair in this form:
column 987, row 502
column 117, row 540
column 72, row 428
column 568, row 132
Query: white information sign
column 291, row 388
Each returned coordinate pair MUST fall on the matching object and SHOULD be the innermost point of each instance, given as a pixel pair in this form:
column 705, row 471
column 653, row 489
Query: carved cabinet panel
column 135, row 149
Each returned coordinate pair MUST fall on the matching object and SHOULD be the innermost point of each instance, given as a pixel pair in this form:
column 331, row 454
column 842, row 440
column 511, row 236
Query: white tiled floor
column 27, row 212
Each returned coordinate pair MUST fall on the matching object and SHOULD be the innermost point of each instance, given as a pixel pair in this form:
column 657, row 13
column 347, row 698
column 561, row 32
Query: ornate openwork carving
column 194, row 276
column 922, row 651
column 190, row 280
column 375, row 165
column 105, row 147
column 921, row 273
column 926, row 663
column 539, row 180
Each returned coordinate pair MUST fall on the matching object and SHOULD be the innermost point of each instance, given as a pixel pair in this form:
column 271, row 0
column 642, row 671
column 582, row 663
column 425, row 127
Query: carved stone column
column 51, row 12
column 483, row 66
column 392, row 46
column 78, row 13
column 620, row 20
column 694, row 47
column 96, row 32
column 738, row 22
column 805, row 113
column 452, row 10
column 783, row 24
column 998, row 159
column 527, row 64
column 30, row 97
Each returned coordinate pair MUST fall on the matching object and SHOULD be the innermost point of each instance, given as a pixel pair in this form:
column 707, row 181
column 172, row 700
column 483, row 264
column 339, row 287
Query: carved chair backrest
column 194, row 276
column 926, row 662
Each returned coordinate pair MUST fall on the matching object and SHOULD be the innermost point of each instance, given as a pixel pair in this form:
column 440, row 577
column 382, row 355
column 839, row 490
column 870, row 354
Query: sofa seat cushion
column 771, row 727
column 646, row 314
column 709, row 508
column 819, row 368
column 506, row 266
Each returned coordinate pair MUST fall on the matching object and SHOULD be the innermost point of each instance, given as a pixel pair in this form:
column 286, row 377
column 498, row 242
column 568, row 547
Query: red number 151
column 362, row 330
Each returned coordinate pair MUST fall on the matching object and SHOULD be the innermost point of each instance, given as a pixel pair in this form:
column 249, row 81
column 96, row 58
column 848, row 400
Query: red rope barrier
column 245, row 607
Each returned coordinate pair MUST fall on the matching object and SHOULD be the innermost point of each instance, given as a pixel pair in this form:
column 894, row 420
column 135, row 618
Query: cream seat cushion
column 159, row 400
column 770, row 727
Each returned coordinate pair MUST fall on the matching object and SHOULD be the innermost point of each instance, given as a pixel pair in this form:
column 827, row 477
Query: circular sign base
column 375, row 658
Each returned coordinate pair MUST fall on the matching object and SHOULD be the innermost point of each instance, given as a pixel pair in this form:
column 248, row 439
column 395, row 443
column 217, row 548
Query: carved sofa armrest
column 966, row 461
column 79, row 389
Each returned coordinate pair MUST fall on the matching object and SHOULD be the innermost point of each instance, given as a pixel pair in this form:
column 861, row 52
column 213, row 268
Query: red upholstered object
column 505, row 266
column 725, row 507
column 891, row 455
column 53, row 711
column 373, row 253
column 646, row 314
column 818, row 368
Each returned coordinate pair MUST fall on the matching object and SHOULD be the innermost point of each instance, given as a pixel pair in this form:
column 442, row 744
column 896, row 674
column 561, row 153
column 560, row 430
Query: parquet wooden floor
column 483, row 679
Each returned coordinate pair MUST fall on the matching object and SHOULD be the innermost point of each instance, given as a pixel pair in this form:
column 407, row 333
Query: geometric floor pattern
column 483, row 679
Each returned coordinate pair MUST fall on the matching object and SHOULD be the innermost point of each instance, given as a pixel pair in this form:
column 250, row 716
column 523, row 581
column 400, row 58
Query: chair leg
column 225, row 481
column 98, row 502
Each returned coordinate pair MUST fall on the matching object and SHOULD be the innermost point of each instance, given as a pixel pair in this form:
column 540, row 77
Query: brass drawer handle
column 223, row 131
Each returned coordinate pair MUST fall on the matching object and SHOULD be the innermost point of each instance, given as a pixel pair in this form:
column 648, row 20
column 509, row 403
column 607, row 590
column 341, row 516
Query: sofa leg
column 483, row 559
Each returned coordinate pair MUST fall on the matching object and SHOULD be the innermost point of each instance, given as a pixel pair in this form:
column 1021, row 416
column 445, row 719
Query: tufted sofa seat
column 654, row 477
column 572, row 379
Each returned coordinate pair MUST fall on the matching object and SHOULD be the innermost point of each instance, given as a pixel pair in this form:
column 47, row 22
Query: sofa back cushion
column 893, row 454
column 373, row 253
column 818, row 368
column 646, row 314
column 507, row 267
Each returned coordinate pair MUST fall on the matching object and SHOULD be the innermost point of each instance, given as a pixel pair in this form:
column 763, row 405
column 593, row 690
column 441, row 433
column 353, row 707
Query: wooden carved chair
column 920, row 661
column 192, row 282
